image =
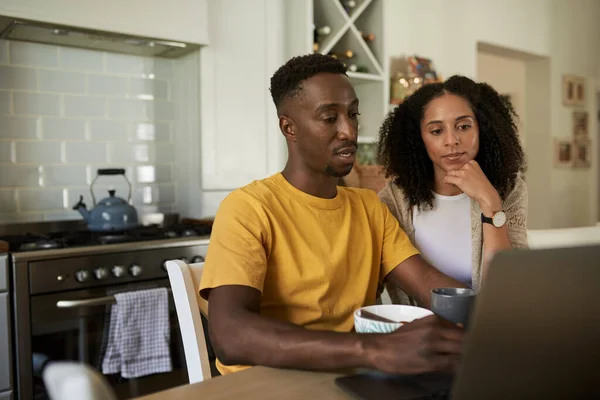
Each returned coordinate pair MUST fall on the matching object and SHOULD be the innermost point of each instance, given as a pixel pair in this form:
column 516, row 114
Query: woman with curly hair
column 453, row 154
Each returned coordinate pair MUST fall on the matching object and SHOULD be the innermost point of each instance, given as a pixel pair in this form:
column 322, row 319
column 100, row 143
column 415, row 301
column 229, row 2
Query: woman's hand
column 472, row 181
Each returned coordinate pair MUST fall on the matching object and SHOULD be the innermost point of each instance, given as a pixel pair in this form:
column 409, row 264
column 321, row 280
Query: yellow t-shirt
column 314, row 260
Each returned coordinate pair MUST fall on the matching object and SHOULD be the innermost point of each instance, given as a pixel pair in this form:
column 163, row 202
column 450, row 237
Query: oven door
column 74, row 326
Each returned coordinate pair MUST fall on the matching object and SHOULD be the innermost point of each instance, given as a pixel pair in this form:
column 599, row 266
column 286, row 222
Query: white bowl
column 395, row 312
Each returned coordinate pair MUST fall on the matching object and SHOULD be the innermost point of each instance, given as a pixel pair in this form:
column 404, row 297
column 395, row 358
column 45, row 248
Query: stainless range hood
column 40, row 32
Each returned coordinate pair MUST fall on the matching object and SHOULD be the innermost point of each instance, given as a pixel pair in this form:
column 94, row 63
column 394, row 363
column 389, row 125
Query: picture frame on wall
column 563, row 153
column 581, row 153
column 574, row 91
column 580, row 125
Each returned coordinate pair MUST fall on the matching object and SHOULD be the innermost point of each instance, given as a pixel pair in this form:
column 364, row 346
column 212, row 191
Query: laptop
column 534, row 334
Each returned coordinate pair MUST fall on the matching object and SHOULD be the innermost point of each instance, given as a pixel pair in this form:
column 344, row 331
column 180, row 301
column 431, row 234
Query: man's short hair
column 286, row 82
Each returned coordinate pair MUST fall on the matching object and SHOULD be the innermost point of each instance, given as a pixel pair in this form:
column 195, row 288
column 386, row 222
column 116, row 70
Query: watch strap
column 487, row 220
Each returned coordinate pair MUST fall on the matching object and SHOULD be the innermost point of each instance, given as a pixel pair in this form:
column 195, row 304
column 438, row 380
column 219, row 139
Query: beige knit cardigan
column 515, row 207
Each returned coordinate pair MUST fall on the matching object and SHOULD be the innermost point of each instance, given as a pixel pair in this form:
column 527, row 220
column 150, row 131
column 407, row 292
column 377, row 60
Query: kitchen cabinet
column 178, row 20
column 5, row 353
column 240, row 138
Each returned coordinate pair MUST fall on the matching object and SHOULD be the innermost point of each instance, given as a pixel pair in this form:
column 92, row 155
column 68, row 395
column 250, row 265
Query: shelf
column 368, row 22
column 361, row 77
column 330, row 13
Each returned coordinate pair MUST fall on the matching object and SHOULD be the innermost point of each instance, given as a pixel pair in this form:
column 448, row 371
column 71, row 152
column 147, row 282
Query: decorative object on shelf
column 348, row 5
column 581, row 153
column 342, row 55
column 412, row 73
column 367, row 37
column 563, row 153
column 573, row 90
column 366, row 154
column 357, row 68
column 580, row 125
column 318, row 35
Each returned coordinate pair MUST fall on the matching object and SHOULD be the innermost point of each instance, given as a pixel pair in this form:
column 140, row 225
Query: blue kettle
column 111, row 214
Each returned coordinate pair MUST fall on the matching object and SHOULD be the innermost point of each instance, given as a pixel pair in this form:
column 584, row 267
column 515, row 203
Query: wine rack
column 341, row 27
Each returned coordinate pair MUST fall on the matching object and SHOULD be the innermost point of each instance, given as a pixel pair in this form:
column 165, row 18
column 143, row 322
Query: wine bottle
column 357, row 68
column 342, row 55
column 318, row 35
column 367, row 37
column 348, row 5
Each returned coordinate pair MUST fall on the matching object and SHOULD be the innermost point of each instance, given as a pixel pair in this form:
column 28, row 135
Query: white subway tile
column 145, row 174
column 60, row 128
column 107, row 85
column 102, row 129
column 22, row 217
column 24, row 53
column 61, row 81
column 163, row 111
column 38, row 152
column 19, row 176
column 8, row 202
column 127, row 153
column 18, row 127
column 153, row 131
column 36, row 103
column 67, row 215
column 18, row 78
column 4, row 102
column 163, row 68
column 3, row 52
column 164, row 173
column 93, row 152
column 128, row 109
column 166, row 194
column 64, row 175
column 157, row 89
column 40, row 199
column 80, row 106
column 80, row 59
column 6, row 153
column 128, row 64
column 164, row 153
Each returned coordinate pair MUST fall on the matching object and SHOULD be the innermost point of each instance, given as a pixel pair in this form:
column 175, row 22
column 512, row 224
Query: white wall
column 565, row 31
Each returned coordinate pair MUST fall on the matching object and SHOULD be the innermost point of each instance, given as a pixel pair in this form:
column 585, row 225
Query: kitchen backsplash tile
column 66, row 112
column 36, row 103
column 39, row 152
column 62, row 128
column 18, row 127
column 18, row 78
column 81, row 106
column 107, row 85
column 61, row 81
column 40, row 55
column 80, row 60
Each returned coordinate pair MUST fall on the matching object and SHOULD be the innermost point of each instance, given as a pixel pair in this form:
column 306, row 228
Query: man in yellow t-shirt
column 292, row 256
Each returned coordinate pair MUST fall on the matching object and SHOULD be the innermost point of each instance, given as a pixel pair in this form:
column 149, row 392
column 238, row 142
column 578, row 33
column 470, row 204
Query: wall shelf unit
column 356, row 34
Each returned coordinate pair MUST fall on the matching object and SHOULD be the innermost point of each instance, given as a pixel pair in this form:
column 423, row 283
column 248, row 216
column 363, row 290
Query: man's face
column 323, row 124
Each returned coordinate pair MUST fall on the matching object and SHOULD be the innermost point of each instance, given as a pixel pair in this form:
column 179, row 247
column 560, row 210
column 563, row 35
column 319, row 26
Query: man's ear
column 286, row 125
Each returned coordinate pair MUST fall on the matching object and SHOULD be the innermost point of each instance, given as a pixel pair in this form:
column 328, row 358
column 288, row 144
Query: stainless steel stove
column 62, row 283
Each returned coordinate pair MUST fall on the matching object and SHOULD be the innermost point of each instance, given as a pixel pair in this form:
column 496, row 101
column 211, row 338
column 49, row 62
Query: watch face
column 499, row 219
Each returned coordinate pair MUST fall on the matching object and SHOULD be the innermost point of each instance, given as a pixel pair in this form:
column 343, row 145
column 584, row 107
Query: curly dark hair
column 402, row 152
column 286, row 82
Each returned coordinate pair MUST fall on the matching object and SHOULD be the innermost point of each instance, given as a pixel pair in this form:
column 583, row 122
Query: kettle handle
column 110, row 171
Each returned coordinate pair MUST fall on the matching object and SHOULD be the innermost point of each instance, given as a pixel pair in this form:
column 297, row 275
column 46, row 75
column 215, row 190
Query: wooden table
column 259, row 383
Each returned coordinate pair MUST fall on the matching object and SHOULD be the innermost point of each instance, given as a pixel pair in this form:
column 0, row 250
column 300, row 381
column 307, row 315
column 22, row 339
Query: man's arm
column 240, row 335
column 417, row 278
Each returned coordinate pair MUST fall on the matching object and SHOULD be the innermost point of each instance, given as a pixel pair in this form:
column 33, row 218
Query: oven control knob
column 118, row 271
column 135, row 270
column 82, row 275
column 197, row 259
column 100, row 273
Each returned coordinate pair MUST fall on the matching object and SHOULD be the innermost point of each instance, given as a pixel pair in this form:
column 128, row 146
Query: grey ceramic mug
column 453, row 304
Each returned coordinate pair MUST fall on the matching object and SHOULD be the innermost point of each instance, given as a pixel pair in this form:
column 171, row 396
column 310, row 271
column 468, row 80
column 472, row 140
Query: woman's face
column 450, row 132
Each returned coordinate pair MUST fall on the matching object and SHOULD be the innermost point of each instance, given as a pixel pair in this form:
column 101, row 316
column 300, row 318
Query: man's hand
column 429, row 344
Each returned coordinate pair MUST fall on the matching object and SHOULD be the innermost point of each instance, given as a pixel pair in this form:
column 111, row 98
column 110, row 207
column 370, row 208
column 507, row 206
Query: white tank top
column 443, row 235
